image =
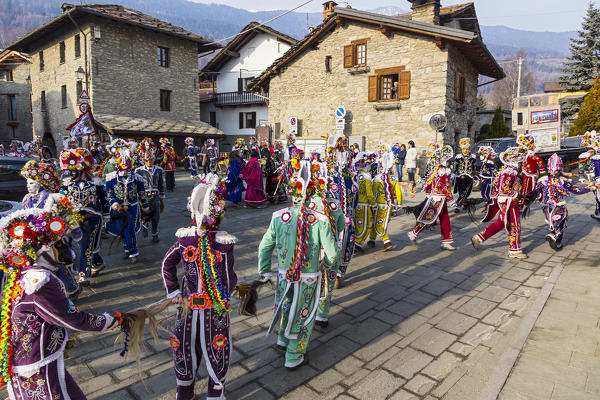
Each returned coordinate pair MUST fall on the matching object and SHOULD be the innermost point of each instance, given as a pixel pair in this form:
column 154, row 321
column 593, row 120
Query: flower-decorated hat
column 240, row 141
column 210, row 142
column 555, row 164
column 441, row 155
column 164, row 141
column 207, row 202
column 464, row 143
column 189, row 141
column 43, row 173
column 252, row 140
column 486, row 152
column 147, row 150
column 79, row 159
column 363, row 160
column 70, row 143
column 123, row 160
column 117, row 144
column 527, row 142
column 302, row 187
column 513, row 156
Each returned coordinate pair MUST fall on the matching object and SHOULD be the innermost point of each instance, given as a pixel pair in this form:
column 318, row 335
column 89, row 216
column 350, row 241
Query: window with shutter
column 348, row 56
column 390, row 84
column 404, row 85
column 240, row 85
column 460, row 84
column 241, row 120
column 373, row 87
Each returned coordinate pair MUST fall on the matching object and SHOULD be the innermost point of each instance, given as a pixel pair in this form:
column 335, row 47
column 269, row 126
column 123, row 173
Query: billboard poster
column 547, row 139
column 544, row 117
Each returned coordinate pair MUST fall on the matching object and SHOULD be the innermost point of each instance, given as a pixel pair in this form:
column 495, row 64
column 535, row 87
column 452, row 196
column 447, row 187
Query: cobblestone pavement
column 412, row 323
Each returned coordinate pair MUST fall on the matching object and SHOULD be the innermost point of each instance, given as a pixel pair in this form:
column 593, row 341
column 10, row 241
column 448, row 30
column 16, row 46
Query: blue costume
column 126, row 189
column 191, row 152
column 155, row 191
column 235, row 184
column 88, row 197
column 596, row 164
column 486, row 175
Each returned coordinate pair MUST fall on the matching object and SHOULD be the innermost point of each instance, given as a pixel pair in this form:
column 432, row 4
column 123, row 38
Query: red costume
column 533, row 166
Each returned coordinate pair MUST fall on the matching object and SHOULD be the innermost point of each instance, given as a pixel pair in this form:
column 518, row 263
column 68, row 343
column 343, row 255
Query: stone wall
column 21, row 88
column 305, row 90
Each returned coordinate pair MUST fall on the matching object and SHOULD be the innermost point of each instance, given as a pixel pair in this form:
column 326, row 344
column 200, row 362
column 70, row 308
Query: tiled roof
column 115, row 124
column 113, row 12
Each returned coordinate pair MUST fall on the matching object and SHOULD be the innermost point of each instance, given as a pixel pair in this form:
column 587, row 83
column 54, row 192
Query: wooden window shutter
column 373, row 88
column 240, row 85
column 456, row 86
column 241, row 120
column 404, row 85
column 348, row 56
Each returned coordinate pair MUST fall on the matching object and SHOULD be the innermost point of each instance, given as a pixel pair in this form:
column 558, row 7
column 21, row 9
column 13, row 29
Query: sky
column 532, row 15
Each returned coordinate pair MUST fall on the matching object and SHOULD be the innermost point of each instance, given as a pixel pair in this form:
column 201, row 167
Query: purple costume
column 39, row 321
column 203, row 332
column 36, row 201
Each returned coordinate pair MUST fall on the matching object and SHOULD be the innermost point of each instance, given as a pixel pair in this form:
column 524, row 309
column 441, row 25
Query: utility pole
column 520, row 62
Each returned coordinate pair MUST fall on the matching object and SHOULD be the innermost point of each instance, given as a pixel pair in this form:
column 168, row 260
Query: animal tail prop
column 124, row 218
column 248, row 294
column 471, row 206
column 415, row 210
column 528, row 200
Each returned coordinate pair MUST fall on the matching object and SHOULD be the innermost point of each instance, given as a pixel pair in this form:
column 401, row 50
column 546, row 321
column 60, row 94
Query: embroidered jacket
column 464, row 165
column 126, row 189
column 154, row 181
column 507, row 183
column 185, row 252
column 533, row 165
column 440, row 184
column 88, row 195
column 41, row 317
column 554, row 190
column 365, row 189
column 488, row 170
column 36, row 200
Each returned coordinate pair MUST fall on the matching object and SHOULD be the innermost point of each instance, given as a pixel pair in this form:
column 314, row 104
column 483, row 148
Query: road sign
column 438, row 121
column 84, row 97
column 340, row 124
column 293, row 121
column 340, row 112
column 83, row 107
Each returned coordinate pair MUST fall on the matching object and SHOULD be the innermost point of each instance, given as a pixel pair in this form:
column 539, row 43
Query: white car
column 7, row 207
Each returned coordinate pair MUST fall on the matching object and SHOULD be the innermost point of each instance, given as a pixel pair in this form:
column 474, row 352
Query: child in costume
column 253, row 175
column 36, row 311
column 191, row 154
column 439, row 197
column 206, row 255
column 126, row 194
column 554, row 189
column 464, row 171
column 300, row 236
column 505, row 203
column 88, row 197
column 154, row 183
column 532, row 165
column 388, row 196
column 168, row 162
column 363, row 216
column 488, row 171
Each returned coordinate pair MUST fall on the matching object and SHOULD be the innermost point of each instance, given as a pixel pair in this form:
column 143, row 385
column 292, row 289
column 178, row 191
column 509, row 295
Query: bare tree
column 503, row 92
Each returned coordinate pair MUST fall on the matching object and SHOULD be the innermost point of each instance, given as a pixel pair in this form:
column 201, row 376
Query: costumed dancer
column 206, row 256
column 240, row 145
column 168, row 162
column 109, row 164
column 253, row 175
column 388, row 196
column 464, row 171
column 253, row 146
column 290, row 146
column 506, row 204
column 554, row 189
column 300, row 236
column 488, row 171
column 191, row 154
column 126, row 194
column 278, row 157
column 271, row 175
column 16, row 149
column 235, row 183
column 363, row 217
column 88, row 198
column 36, row 312
column 212, row 155
column 592, row 171
column 439, row 197
column 532, row 165
column 154, row 183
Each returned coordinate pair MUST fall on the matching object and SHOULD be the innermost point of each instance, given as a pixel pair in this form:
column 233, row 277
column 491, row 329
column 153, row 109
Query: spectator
column 395, row 90
column 400, row 156
column 411, row 161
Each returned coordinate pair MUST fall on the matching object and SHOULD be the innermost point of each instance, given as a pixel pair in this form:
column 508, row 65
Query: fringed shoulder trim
column 33, row 280
column 279, row 213
column 225, row 238
column 111, row 175
column 186, row 232
column 97, row 181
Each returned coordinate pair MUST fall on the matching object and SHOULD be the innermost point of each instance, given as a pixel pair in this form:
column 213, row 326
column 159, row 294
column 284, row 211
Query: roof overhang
column 122, row 125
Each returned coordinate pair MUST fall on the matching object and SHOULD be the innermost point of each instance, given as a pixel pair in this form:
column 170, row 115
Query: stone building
column 15, row 98
column 391, row 73
column 141, row 74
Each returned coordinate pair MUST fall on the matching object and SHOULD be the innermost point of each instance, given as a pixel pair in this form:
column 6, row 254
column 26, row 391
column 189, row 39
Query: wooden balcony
column 237, row 98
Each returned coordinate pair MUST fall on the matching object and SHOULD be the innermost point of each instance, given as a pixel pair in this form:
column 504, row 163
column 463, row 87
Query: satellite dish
column 438, row 122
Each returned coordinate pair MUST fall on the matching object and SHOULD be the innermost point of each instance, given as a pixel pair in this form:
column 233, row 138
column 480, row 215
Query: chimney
column 328, row 7
column 426, row 11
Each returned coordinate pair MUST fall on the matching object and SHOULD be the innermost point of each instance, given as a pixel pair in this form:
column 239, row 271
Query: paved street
column 413, row 323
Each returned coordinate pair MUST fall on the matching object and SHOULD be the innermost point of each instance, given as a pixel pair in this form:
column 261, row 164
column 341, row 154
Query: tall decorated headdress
column 431, row 149
column 464, row 143
column 164, row 141
column 441, row 155
column 240, row 141
column 513, row 156
column 555, row 164
column 79, row 159
column 291, row 139
column 43, row 173
column 189, row 141
column 587, row 138
column 252, row 140
column 147, row 150
column 123, row 159
column 386, row 161
column 527, row 142
column 116, row 144
column 486, row 152
column 210, row 142
column 70, row 143
column 363, row 160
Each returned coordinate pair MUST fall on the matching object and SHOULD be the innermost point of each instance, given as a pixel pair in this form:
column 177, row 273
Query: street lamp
column 80, row 73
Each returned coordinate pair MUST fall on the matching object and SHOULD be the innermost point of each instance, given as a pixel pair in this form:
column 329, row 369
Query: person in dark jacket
column 399, row 155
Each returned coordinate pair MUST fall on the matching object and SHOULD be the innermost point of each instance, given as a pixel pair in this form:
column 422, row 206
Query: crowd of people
column 341, row 204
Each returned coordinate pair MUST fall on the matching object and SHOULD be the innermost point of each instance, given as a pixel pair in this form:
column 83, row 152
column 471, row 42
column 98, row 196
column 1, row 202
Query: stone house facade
column 134, row 68
column 355, row 58
column 15, row 98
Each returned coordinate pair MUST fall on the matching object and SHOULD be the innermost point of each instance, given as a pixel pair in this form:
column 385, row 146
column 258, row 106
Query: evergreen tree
column 589, row 115
column 583, row 65
column 499, row 128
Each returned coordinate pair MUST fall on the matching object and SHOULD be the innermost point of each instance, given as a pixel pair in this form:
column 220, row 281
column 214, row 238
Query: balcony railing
column 238, row 98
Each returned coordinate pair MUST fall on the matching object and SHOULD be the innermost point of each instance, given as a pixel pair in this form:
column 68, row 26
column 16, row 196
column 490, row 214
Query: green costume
column 296, row 302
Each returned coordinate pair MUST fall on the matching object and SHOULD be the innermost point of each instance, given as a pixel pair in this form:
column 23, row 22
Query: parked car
column 12, row 185
column 7, row 207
